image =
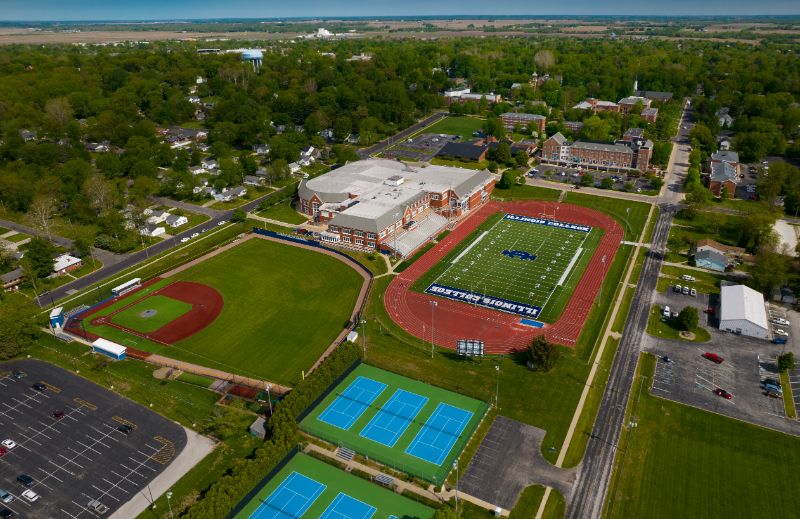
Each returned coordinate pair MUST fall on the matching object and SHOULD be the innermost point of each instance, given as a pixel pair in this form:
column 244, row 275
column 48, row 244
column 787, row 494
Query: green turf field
column 386, row 502
column 684, row 462
column 166, row 308
column 396, row 456
column 457, row 125
column 283, row 307
column 481, row 264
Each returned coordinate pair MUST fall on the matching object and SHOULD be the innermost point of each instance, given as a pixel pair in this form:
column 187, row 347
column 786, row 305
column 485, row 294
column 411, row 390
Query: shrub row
column 226, row 492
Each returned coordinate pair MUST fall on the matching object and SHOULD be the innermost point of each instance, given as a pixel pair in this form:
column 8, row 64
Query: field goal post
column 544, row 214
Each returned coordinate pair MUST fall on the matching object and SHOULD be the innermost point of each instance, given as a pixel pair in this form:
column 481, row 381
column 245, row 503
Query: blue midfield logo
column 521, row 254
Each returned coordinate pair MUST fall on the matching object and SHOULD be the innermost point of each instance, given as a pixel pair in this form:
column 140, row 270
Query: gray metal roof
column 711, row 255
column 602, row 146
column 725, row 156
column 723, row 172
column 11, row 276
column 521, row 115
column 559, row 138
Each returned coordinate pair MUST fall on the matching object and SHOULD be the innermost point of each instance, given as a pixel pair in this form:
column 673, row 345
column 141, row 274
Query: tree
column 238, row 215
column 18, row 329
column 503, row 153
column 344, row 154
column 587, row 179
column 688, row 318
column 38, row 260
column 81, row 247
column 59, row 110
column 42, row 209
column 445, row 512
column 99, row 192
column 521, row 158
column 606, row 183
column 786, row 362
column 507, row 179
column 543, row 354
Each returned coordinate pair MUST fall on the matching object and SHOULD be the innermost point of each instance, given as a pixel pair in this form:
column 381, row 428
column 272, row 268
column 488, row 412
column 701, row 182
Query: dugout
column 109, row 349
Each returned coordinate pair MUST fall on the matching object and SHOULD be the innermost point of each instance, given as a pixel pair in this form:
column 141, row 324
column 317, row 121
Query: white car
column 687, row 277
column 222, row 222
column 9, row 444
column 184, row 240
column 30, row 495
column 781, row 320
column 780, row 332
column 195, row 234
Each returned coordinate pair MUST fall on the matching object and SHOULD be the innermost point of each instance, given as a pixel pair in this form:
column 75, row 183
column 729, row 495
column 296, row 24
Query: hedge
column 221, row 498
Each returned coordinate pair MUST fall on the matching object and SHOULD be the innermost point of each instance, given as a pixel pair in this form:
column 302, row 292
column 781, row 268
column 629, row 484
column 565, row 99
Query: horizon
column 94, row 11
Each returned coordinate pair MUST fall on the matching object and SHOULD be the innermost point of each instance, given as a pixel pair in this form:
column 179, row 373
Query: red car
column 713, row 357
column 58, row 415
column 3, row 451
column 710, row 310
column 724, row 394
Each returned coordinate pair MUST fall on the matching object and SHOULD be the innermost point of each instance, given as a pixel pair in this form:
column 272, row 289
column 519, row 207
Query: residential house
column 252, row 180
column 529, row 146
column 262, row 172
column 731, row 252
column 152, row 230
column 261, row 149
column 294, row 167
column 204, row 190
column 467, row 151
column 97, row 147
column 11, row 280
column 210, row 164
column 724, row 144
column 724, row 117
column 711, row 260
column 65, row 263
column 175, row 221
column 230, row 194
column 193, row 99
column 28, row 135
column 197, row 170
column 633, row 133
column 155, row 217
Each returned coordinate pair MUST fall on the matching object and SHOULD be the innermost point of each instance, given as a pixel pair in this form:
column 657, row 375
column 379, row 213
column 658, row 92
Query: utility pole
column 364, row 338
column 455, row 466
column 497, row 388
column 169, row 504
column 602, row 280
column 269, row 398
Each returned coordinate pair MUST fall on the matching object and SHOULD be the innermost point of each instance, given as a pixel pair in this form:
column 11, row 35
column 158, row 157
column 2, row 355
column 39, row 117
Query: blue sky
column 33, row 10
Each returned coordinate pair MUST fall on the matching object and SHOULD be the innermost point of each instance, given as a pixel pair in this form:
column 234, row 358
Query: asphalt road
column 394, row 139
column 595, row 470
column 137, row 257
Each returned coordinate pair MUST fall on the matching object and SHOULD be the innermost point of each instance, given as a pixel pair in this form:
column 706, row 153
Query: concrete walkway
column 254, row 216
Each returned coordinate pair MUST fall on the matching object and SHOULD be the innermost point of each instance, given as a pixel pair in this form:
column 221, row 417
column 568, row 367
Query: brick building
column 462, row 95
column 724, row 173
column 622, row 154
column 597, row 105
column 533, row 121
column 385, row 205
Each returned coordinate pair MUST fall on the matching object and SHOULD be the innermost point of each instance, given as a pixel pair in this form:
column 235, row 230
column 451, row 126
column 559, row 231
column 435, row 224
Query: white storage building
column 109, row 349
column 743, row 312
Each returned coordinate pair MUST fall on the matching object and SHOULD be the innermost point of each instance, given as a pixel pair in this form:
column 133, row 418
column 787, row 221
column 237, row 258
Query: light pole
column 364, row 338
column 434, row 304
column 603, row 261
column 455, row 466
column 269, row 398
column 627, row 215
column 497, row 388
column 169, row 504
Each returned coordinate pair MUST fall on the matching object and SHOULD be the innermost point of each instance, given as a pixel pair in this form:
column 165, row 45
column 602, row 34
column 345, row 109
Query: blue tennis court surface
column 291, row 499
column 439, row 434
column 346, row 507
column 392, row 420
column 352, row 402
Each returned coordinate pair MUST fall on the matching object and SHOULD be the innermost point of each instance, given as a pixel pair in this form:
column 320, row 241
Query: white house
column 175, row 220
column 743, row 312
column 294, row 167
column 157, row 217
column 152, row 230
column 197, row 170
column 252, row 180
column 261, row 149
column 210, row 164
column 229, row 194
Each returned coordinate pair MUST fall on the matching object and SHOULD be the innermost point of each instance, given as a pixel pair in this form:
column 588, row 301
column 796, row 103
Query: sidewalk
column 254, row 216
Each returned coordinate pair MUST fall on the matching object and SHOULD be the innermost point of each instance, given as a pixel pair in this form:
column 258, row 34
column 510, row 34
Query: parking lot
column 80, row 444
column 421, row 147
column 572, row 176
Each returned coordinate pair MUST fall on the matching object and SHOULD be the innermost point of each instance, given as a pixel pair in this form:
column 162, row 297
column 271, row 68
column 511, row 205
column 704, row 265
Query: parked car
column 58, row 415
column 30, row 495
column 710, row 310
column 724, row 394
column 693, row 292
column 5, row 513
column 25, row 479
column 773, row 394
column 97, row 506
column 39, row 386
column 780, row 332
column 184, row 240
column 713, row 357
column 685, row 291
column 5, row 496
column 773, row 387
column 221, row 222
column 9, row 444
column 781, row 321
column 3, row 451
column 687, row 277
column 666, row 313
column 195, row 234
column 125, row 429
column 18, row 375
column 677, row 288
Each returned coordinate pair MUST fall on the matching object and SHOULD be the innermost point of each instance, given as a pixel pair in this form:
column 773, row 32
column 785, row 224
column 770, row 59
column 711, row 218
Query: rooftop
column 740, row 302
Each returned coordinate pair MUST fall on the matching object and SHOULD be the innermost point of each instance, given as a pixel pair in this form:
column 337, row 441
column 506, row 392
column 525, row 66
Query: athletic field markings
column 291, row 499
column 392, row 420
column 440, row 432
column 347, row 507
column 352, row 402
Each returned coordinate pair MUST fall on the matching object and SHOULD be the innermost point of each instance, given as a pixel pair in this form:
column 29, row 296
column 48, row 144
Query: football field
column 517, row 264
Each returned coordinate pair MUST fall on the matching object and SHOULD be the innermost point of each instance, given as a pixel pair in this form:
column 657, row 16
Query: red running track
column 500, row 332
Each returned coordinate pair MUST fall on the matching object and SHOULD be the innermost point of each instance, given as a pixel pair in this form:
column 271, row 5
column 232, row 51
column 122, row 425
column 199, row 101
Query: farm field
column 307, row 487
column 409, row 425
column 283, row 306
column 709, row 464
column 535, row 264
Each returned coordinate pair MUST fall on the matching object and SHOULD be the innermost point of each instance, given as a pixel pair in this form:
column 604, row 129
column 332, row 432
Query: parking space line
column 51, row 387
column 70, row 461
column 83, row 403
column 123, row 421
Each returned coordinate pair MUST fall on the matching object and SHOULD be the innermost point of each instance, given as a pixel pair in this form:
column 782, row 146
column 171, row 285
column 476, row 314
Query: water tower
column 253, row 56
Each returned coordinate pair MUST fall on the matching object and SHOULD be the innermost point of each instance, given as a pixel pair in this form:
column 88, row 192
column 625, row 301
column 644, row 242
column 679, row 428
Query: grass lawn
column 283, row 306
column 410, row 405
column 284, row 212
column 457, row 125
column 16, row 238
column 659, row 326
column 327, row 482
column 616, row 208
column 194, row 220
column 705, row 282
column 681, row 461
column 788, row 401
column 137, row 318
column 526, row 192
column 3, row 230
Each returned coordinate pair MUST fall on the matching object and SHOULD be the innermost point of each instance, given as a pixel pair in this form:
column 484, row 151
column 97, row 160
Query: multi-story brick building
column 622, row 154
column 462, row 95
column 597, row 105
column 724, row 173
column 627, row 104
column 385, row 205
column 533, row 121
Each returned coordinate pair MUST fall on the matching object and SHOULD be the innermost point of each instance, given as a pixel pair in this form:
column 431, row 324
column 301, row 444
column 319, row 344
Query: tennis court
column 440, row 432
column 394, row 417
column 308, row 488
column 408, row 425
column 352, row 402
column 291, row 499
